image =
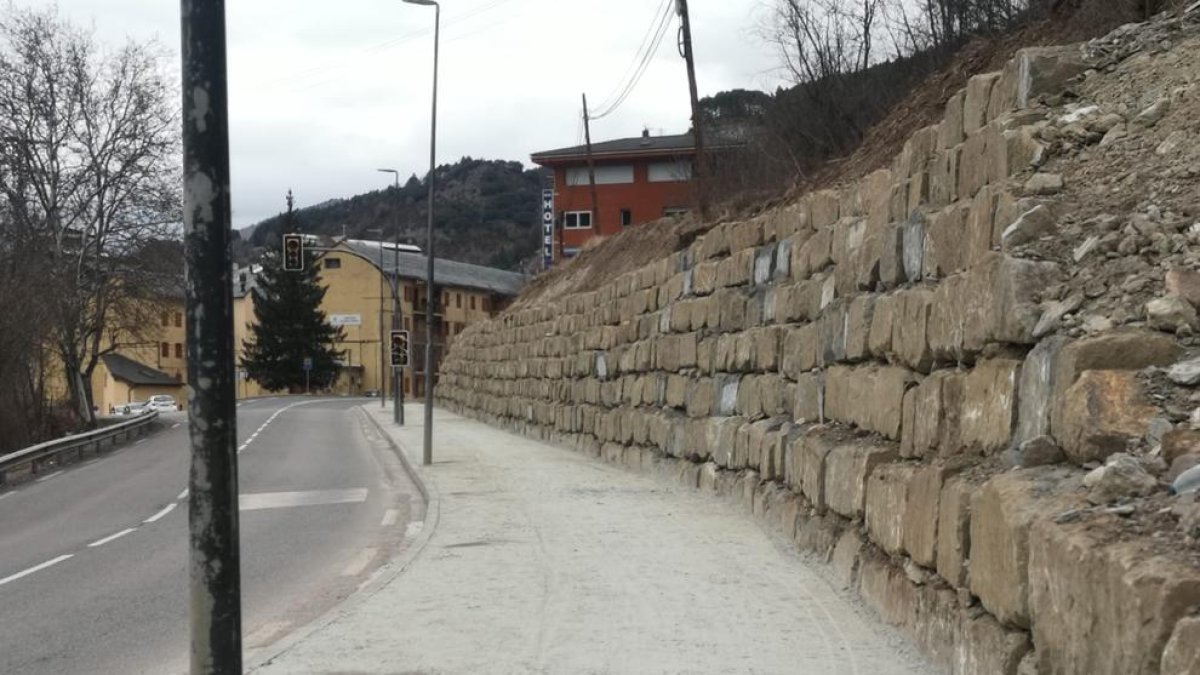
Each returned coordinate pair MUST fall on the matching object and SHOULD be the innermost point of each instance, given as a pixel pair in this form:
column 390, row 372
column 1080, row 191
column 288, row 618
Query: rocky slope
column 967, row 380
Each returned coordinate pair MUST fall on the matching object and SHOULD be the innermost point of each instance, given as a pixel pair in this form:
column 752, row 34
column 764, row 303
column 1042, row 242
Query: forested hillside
column 487, row 213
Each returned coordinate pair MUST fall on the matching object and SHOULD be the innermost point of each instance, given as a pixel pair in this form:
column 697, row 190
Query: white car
column 162, row 403
column 131, row 408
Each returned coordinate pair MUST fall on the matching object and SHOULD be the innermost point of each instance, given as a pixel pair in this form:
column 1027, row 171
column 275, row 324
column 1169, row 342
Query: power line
column 642, row 65
column 642, row 46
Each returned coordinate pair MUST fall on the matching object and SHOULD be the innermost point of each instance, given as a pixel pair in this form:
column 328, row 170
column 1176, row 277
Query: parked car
column 162, row 403
column 131, row 408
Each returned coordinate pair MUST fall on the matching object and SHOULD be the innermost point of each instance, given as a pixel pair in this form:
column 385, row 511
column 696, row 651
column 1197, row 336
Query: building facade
column 638, row 180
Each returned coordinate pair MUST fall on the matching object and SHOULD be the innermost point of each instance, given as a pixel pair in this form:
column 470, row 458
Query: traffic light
column 399, row 348
column 293, row 253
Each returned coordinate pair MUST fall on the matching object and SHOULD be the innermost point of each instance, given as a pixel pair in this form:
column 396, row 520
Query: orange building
column 638, row 180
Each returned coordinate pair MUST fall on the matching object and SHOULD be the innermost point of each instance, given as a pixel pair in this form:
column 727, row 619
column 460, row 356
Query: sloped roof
column 445, row 272
column 680, row 144
column 133, row 372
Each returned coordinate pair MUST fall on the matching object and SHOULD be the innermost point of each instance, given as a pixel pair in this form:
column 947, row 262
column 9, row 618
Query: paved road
column 538, row 559
column 93, row 559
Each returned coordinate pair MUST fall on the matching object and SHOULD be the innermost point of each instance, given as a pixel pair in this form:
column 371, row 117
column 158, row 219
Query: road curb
column 380, row 579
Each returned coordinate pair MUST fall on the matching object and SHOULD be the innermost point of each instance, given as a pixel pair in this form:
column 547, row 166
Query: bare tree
column 90, row 148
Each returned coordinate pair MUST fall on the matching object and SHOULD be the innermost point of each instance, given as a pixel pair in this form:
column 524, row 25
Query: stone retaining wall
column 851, row 368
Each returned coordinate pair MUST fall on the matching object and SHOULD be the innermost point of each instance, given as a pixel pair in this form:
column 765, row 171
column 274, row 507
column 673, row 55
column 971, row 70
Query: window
column 669, row 172
column 487, row 304
column 333, row 263
column 605, row 175
column 178, row 319
column 165, row 319
column 458, row 328
column 458, row 300
column 674, row 212
column 577, row 220
column 472, row 302
column 626, row 217
column 408, row 294
column 178, row 350
column 445, row 299
column 407, row 323
column 166, row 350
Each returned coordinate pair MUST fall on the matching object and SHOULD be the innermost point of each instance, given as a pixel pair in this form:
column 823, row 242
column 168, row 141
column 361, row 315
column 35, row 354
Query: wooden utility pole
column 685, row 48
column 587, row 134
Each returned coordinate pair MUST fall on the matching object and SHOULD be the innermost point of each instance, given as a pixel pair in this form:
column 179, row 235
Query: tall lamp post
column 398, row 371
column 427, row 457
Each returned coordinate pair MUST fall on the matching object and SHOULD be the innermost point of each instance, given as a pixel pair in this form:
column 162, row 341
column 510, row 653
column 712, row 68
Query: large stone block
column 870, row 397
column 889, row 244
column 824, row 208
column 879, row 340
column 801, row 350
column 989, row 405
column 950, row 132
column 814, row 451
column 847, row 468
column 984, row 647
column 944, row 235
column 947, row 319
column 885, row 588
column 1103, row 412
column 1181, row 656
column 977, row 100
column 943, row 177
column 1002, row 300
column 1104, row 607
column 887, row 504
column 1036, row 389
column 1046, row 71
column 858, row 328
column 1002, row 512
column 910, row 341
column 922, row 512
column 809, row 398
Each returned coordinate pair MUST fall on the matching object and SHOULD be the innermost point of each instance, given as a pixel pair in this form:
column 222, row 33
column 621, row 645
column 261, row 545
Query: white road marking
column 175, row 426
column 6, row 495
column 48, row 477
column 414, row 529
column 389, row 517
column 166, row 509
column 359, row 563
column 280, row 500
column 36, row 568
column 182, row 495
column 139, row 442
column 111, row 537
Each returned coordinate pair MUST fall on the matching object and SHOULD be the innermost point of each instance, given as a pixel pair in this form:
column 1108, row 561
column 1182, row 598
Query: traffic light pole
column 214, row 559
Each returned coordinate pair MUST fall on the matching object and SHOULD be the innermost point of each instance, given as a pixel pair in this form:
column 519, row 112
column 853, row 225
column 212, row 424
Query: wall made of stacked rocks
column 869, row 369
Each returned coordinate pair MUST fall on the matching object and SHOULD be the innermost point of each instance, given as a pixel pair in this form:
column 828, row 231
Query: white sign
column 547, row 228
column 345, row 319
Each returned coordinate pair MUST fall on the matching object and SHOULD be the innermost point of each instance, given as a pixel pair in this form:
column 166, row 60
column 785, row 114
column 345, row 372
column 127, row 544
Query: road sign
column 307, row 363
column 399, row 348
column 293, row 253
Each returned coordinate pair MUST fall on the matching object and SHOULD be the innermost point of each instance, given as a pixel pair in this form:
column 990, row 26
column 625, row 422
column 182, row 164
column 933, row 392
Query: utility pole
column 685, row 46
column 587, row 134
column 214, row 561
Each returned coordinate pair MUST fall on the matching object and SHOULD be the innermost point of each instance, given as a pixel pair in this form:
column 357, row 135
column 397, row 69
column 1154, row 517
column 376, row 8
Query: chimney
column 645, row 137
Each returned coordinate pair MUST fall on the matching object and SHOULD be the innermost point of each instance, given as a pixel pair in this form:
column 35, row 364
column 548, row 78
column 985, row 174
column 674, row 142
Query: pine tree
column 291, row 326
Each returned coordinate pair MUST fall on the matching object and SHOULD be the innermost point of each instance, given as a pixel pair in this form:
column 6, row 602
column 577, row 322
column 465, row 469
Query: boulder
column 1171, row 313
column 847, row 467
column 1121, row 477
column 886, row 505
column 1181, row 656
column 1030, row 226
column 1046, row 71
column 1103, row 412
column 1044, row 184
column 1186, row 373
column 1185, row 284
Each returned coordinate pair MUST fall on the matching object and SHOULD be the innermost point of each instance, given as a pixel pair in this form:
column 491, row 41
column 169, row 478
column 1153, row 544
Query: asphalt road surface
column 93, row 559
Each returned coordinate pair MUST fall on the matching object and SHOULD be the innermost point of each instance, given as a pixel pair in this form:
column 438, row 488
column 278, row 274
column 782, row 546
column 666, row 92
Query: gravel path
column 537, row 559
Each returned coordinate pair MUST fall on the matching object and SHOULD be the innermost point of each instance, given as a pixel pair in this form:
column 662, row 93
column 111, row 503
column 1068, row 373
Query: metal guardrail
column 29, row 460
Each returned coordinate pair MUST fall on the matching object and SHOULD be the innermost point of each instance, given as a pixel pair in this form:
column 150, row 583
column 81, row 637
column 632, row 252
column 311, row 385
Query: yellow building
column 152, row 363
column 360, row 302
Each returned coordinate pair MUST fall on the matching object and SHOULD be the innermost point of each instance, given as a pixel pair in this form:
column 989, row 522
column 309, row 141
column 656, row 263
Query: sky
column 323, row 93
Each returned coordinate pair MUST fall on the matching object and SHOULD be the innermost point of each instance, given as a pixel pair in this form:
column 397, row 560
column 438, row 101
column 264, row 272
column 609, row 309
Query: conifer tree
column 291, row 326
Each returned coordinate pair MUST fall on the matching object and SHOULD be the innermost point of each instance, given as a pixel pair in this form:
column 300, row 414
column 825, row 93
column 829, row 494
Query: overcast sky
column 322, row 93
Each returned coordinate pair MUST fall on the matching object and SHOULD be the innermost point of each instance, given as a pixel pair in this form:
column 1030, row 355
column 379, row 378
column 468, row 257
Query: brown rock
column 847, row 468
column 922, row 513
column 1102, row 413
column 846, row 556
column 1181, row 656
column 1101, row 607
column 1002, row 511
column 1171, row 313
column 989, row 405
column 984, row 647
column 815, row 449
column 1179, row 442
column 886, row 505
column 1185, row 284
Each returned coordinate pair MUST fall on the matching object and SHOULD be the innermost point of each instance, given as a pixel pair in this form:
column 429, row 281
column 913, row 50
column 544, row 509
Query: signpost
column 547, row 228
column 307, row 371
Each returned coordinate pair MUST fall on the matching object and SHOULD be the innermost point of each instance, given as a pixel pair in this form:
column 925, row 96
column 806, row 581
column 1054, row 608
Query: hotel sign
column 547, row 228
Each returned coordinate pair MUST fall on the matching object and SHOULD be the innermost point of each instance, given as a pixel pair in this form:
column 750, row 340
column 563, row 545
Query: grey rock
column 1040, row 451
column 1187, row 482
column 1086, row 247
column 913, row 243
column 1053, row 313
column 1153, row 114
column 1170, row 313
column 729, row 392
column 1186, row 373
column 1173, row 143
column 1031, row 225
column 1044, row 184
column 1121, row 477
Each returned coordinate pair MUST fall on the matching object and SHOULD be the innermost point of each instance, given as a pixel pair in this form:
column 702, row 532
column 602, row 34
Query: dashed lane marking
column 182, row 495
column 166, row 509
column 359, row 563
column 175, row 426
column 118, row 535
column 36, row 568
column 48, row 477
column 280, row 500
column 389, row 517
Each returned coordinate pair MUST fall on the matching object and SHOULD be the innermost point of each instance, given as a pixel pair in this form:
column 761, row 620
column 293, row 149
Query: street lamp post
column 427, row 457
column 398, row 371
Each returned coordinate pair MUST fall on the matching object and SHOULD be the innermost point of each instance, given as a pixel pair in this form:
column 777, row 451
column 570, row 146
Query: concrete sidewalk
column 537, row 559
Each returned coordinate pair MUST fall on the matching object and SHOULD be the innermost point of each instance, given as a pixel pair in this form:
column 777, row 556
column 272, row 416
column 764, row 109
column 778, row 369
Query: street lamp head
column 427, row 3
column 388, row 171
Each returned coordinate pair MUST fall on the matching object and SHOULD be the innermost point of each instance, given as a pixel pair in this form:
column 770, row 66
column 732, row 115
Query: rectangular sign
column 308, row 363
column 345, row 319
column 547, row 228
